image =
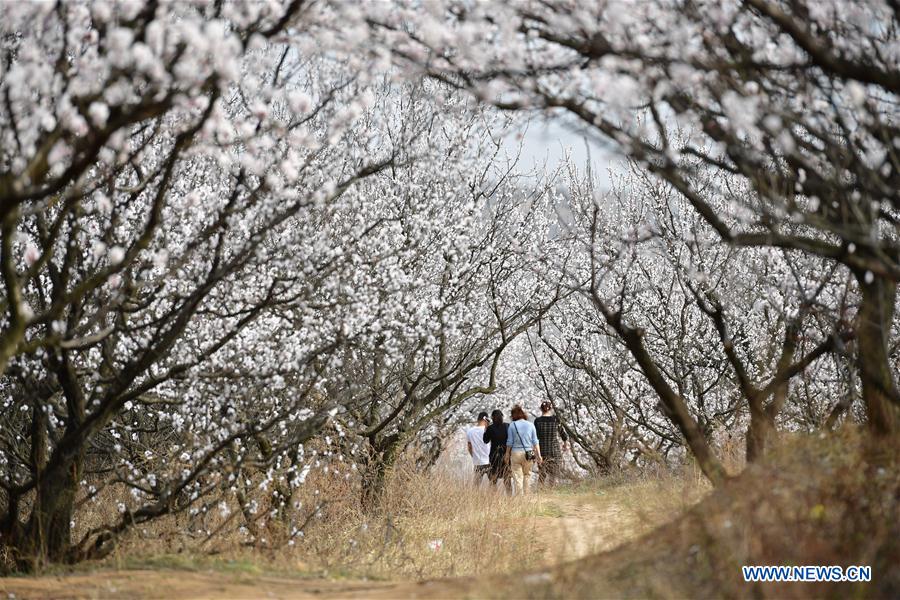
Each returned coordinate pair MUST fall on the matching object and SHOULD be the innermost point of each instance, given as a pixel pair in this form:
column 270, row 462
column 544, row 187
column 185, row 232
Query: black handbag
column 529, row 454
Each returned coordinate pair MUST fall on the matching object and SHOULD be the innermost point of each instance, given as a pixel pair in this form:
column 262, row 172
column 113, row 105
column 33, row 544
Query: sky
column 549, row 141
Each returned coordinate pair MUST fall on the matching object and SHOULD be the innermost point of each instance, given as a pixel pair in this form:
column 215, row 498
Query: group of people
column 507, row 452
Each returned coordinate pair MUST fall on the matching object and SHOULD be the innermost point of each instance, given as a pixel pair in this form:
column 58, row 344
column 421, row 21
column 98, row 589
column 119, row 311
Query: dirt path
column 570, row 526
column 583, row 527
column 168, row 583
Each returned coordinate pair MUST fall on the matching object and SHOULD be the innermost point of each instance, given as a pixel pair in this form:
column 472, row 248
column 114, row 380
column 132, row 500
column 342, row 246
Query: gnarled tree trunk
column 758, row 433
column 47, row 536
column 382, row 456
column 873, row 325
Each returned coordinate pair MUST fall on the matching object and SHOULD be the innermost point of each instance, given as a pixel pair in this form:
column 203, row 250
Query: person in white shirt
column 478, row 449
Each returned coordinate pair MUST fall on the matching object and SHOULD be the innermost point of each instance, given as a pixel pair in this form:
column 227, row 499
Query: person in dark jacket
column 549, row 432
column 495, row 434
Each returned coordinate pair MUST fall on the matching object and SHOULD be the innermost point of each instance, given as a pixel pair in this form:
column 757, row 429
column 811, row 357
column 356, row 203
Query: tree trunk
column 381, row 459
column 673, row 404
column 47, row 536
column 879, row 388
column 844, row 402
column 762, row 416
column 761, row 428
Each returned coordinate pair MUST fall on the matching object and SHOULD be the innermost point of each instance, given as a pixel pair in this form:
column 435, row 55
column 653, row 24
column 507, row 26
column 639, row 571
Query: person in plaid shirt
column 549, row 433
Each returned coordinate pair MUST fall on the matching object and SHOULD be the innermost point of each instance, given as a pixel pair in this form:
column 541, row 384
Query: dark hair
column 546, row 405
column 482, row 416
column 497, row 416
column 517, row 413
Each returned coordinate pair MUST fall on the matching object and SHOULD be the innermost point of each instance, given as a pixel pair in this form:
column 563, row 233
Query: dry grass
column 428, row 525
column 481, row 533
column 649, row 497
column 823, row 500
column 598, row 515
column 829, row 500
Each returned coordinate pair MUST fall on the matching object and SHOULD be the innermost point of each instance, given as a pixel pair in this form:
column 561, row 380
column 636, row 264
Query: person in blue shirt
column 522, row 450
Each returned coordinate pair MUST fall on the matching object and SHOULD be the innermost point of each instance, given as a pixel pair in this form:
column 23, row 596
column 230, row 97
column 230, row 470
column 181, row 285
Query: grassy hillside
column 831, row 500
column 817, row 501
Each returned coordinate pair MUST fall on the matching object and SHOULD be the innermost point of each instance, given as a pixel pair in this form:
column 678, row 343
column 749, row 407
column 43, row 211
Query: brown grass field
column 816, row 501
